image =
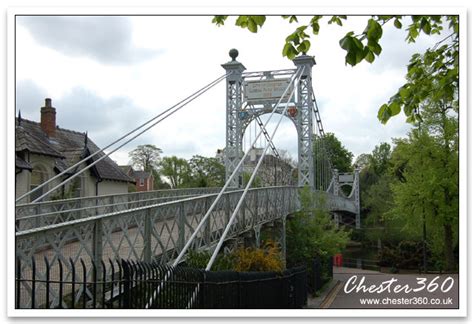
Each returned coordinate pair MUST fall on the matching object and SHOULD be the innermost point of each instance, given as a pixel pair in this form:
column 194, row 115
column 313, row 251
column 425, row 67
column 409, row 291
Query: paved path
column 371, row 289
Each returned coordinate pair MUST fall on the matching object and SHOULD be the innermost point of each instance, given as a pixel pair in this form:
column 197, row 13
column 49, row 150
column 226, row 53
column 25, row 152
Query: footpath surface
column 357, row 288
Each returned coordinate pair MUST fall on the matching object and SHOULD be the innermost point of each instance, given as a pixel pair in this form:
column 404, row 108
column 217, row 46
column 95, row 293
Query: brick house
column 44, row 150
column 144, row 181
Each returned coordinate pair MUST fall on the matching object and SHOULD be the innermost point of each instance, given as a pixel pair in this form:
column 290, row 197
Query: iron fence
column 130, row 284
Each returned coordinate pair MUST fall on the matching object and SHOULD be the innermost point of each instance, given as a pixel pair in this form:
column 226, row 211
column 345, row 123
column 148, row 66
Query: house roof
column 22, row 164
column 141, row 174
column 68, row 147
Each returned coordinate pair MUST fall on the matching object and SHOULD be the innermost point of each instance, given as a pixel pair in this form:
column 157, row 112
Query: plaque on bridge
column 264, row 91
column 346, row 178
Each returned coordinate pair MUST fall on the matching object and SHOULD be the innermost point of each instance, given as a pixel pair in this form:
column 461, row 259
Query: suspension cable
column 213, row 205
column 254, row 173
column 183, row 251
column 165, row 114
column 322, row 135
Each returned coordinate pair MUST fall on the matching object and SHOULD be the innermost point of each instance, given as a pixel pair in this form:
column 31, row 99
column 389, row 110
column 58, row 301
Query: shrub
column 265, row 259
column 243, row 259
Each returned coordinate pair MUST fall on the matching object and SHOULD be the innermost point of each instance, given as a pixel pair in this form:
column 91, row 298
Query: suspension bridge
column 162, row 226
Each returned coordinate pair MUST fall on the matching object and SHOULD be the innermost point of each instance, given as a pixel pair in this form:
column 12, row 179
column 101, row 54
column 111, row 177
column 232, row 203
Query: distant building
column 272, row 171
column 144, row 181
column 44, row 150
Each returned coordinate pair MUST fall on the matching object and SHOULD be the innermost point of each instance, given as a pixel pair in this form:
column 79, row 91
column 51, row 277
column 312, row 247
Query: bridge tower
column 233, row 140
column 240, row 111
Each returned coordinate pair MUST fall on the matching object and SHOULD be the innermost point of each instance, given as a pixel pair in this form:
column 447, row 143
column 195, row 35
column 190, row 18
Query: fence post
column 97, row 251
column 256, row 218
column 207, row 225
column 227, row 207
column 330, row 267
column 267, row 201
column 181, row 228
column 317, row 273
column 147, row 236
column 282, row 228
column 127, row 279
column 111, row 203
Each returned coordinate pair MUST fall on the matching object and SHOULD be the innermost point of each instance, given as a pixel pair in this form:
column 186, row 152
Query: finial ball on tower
column 233, row 53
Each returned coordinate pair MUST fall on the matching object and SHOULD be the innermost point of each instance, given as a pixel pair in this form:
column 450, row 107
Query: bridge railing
column 34, row 215
column 148, row 233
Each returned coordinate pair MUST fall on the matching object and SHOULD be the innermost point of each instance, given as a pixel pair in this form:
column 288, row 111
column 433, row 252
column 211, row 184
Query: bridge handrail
column 28, row 233
column 129, row 194
column 58, row 211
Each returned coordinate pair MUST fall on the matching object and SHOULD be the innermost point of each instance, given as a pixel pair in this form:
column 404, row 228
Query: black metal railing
column 320, row 273
column 130, row 284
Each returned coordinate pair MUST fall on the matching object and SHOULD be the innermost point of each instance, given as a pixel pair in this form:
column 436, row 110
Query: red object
column 292, row 111
column 337, row 260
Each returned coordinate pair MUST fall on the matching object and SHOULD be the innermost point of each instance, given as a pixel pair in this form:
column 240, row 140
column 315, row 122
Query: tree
column 430, row 77
column 340, row 157
column 439, row 64
column 379, row 160
column 158, row 183
column 177, row 170
column 428, row 177
column 206, row 172
column 145, row 157
column 311, row 232
column 362, row 161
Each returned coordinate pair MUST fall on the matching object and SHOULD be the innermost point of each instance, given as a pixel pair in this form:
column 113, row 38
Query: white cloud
column 191, row 52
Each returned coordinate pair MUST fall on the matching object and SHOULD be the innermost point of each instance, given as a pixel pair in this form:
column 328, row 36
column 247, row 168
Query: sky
column 109, row 74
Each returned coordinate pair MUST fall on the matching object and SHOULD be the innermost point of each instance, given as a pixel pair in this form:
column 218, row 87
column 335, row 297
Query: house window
column 142, row 182
column 38, row 176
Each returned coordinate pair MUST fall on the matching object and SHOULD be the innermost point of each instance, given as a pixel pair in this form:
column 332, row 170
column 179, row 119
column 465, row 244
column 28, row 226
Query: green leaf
column 384, row 113
column 289, row 51
column 315, row 24
column 346, row 42
column 394, row 109
column 241, row 21
column 293, row 38
column 374, row 47
column 374, row 30
column 219, row 20
column 426, row 28
column 304, row 46
column 252, row 26
column 370, row 56
column 259, row 20
column 358, row 43
column 351, row 58
column 411, row 119
column 397, row 23
column 404, row 93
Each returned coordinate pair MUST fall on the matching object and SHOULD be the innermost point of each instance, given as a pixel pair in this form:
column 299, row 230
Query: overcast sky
column 107, row 75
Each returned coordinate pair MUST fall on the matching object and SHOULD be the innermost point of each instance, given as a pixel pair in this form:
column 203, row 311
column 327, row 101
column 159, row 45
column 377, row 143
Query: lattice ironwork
column 29, row 216
column 148, row 233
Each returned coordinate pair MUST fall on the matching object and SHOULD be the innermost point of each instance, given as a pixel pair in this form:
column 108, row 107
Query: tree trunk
column 448, row 247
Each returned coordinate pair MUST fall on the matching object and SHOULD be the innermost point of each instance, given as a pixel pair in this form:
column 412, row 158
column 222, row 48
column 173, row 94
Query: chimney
column 48, row 118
